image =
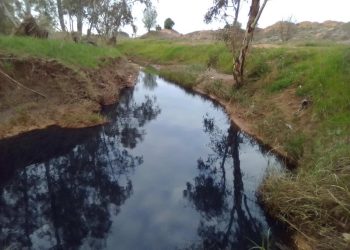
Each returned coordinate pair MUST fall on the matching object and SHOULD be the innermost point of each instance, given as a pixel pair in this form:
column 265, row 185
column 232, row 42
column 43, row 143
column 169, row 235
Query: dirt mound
column 72, row 98
column 203, row 35
column 162, row 34
column 303, row 31
column 306, row 31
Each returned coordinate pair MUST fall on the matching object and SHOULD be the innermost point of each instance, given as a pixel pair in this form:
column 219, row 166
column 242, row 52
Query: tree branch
column 20, row 84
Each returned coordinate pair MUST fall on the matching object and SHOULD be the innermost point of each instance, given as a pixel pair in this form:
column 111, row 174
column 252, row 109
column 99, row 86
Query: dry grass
column 315, row 203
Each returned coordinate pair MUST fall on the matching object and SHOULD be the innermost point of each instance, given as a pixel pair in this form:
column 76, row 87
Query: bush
column 169, row 24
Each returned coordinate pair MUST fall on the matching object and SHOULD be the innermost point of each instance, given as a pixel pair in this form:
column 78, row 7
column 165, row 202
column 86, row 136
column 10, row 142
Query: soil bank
column 70, row 97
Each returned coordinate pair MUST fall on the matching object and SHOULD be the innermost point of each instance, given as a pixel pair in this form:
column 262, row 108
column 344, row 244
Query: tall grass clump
column 315, row 201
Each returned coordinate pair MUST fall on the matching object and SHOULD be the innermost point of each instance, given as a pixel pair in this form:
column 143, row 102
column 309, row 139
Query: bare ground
column 73, row 97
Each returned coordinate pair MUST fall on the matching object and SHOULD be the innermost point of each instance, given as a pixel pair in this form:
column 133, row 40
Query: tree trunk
column 28, row 7
column 7, row 13
column 239, row 61
column 60, row 15
column 80, row 23
column 80, row 18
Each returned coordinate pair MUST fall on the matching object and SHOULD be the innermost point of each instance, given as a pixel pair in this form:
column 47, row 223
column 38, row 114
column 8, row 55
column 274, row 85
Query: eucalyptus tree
column 149, row 18
column 226, row 9
column 107, row 16
column 7, row 16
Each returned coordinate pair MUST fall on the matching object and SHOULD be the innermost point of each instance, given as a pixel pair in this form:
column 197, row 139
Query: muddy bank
column 69, row 97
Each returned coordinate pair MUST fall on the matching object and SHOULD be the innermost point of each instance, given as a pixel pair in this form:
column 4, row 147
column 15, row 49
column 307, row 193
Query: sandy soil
column 73, row 97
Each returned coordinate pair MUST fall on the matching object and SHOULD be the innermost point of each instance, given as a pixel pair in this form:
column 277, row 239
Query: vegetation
column 220, row 9
column 149, row 18
column 69, row 53
column 314, row 200
column 171, row 52
column 169, row 24
column 102, row 17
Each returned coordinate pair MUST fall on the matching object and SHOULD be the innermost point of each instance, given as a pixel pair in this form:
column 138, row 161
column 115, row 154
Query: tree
column 112, row 14
column 60, row 15
column 7, row 16
column 149, row 18
column 220, row 9
column 286, row 29
column 169, row 24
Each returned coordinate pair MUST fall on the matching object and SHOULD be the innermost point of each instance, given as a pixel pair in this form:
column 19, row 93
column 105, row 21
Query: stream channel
column 170, row 171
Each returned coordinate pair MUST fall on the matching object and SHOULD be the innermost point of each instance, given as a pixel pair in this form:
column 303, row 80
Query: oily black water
column 168, row 172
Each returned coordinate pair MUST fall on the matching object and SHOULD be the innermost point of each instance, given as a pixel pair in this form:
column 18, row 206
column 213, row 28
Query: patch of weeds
column 183, row 78
column 150, row 69
column 283, row 82
column 258, row 67
column 212, row 61
column 294, row 145
column 219, row 89
column 238, row 96
column 95, row 118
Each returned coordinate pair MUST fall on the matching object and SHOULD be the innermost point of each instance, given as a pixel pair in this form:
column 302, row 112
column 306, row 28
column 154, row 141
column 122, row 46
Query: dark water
column 168, row 172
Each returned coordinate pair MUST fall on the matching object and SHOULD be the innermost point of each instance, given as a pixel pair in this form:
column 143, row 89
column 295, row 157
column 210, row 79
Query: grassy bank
column 69, row 53
column 74, row 80
column 315, row 200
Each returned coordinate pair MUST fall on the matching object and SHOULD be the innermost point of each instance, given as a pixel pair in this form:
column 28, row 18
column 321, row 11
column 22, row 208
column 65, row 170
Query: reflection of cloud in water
column 81, row 190
column 65, row 202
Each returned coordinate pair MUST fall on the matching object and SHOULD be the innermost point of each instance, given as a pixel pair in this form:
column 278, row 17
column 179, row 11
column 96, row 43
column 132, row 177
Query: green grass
column 320, row 72
column 69, row 53
column 171, row 52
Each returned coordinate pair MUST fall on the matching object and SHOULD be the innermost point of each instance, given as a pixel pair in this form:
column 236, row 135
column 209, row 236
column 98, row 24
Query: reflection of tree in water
column 149, row 81
column 227, row 222
column 66, row 202
column 129, row 117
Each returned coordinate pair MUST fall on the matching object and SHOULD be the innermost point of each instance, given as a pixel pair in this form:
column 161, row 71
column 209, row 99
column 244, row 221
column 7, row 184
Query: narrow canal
column 168, row 172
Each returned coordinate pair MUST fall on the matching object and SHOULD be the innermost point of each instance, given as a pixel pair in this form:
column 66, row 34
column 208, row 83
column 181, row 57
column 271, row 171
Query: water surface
column 168, row 172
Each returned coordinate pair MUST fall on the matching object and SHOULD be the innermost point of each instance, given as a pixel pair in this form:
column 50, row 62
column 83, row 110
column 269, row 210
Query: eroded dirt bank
column 69, row 97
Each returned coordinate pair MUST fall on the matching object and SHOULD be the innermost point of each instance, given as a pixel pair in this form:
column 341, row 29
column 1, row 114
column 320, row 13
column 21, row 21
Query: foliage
column 149, row 18
column 102, row 16
column 286, row 29
column 222, row 9
column 169, row 24
column 66, row 52
column 219, row 9
column 232, row 36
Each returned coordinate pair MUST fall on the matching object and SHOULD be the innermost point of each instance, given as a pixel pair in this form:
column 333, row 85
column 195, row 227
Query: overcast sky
column 188, row 14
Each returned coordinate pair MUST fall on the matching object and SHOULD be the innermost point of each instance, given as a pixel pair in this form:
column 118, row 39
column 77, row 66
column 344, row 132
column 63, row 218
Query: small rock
column 289, row 126
column 346, row 237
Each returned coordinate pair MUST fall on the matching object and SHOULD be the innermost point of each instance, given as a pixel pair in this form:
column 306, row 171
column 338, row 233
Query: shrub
column 169, row 24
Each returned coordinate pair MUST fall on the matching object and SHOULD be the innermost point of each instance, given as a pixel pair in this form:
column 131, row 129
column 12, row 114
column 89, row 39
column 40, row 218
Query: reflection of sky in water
column 150, row 175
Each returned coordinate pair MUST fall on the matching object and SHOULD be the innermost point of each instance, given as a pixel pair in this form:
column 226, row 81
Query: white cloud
column 189, row 14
